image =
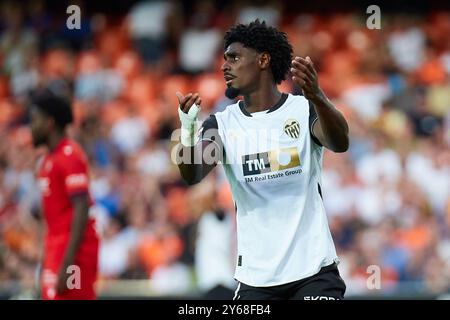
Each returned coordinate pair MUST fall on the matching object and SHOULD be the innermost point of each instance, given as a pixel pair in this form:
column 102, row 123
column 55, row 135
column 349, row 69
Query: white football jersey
column 273, row 164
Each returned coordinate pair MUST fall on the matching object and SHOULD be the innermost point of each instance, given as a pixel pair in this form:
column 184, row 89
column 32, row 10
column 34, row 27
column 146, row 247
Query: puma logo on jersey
column 270, row 161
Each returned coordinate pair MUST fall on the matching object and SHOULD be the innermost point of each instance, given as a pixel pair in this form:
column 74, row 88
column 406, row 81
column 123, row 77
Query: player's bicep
column 80, row 203
column 75, row 176
column 315, row 129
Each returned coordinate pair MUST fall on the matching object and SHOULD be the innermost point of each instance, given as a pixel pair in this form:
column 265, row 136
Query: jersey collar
column 280, row 102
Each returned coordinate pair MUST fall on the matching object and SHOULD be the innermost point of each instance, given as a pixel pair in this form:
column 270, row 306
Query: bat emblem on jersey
column 292, row 128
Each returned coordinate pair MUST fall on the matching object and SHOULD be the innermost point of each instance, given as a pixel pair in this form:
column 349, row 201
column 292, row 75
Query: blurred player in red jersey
column 71, row 242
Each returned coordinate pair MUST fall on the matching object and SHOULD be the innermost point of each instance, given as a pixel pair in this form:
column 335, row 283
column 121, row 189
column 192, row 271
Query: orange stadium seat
column 431, row 72
column 415, row 238
column 154, row 252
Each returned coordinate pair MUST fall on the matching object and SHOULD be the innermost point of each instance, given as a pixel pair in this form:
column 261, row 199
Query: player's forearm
column 190, row 171
column 192, row 163
column 333, row 129
column 78, row 227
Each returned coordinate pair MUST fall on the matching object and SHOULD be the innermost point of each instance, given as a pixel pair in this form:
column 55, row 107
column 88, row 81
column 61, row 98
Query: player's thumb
column 179, row 96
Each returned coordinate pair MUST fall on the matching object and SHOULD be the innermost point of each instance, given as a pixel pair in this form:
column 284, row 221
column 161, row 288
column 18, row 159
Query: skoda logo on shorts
column 292, row 128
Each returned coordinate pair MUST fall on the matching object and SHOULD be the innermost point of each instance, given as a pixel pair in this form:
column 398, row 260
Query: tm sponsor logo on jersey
column 270, row 161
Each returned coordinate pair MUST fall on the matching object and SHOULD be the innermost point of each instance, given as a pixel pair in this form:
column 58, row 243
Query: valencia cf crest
column 292, row 128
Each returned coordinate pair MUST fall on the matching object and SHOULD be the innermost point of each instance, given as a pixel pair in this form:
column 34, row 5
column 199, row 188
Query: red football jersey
column 63, row 173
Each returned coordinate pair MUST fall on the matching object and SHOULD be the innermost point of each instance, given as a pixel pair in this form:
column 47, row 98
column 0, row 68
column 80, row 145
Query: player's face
column 39, row 127
column 240, row 68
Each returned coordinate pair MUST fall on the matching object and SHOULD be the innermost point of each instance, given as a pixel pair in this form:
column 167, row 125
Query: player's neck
column 55, row 139
column 262, row 99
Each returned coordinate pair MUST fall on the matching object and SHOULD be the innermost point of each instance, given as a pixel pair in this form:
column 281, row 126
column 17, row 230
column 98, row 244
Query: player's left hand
column 61, row 284
column 305, row 76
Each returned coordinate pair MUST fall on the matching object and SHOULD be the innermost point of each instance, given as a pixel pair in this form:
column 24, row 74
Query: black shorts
column 327, row 284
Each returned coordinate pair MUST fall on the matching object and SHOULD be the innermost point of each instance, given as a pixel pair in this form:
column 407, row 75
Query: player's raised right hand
column 187, row 101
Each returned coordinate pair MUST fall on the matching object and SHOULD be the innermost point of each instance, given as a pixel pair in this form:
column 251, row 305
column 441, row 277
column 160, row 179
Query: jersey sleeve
column 209, row 131
column 73, row 168
column 312, row 119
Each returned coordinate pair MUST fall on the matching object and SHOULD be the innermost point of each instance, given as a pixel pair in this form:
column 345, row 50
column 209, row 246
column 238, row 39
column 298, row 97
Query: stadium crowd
column 387, row 198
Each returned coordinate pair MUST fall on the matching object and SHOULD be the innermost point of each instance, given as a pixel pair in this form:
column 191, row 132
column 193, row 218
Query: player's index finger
column 310, row 64
column 179, row 96
column 186, row 98
column 189, row 102
column 300, row 69
column 299, row 65
column 303, row 62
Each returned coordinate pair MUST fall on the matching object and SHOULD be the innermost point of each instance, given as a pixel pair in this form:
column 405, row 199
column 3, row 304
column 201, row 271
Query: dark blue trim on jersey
column 280, row 102
column 313, row 118
column 210, row 132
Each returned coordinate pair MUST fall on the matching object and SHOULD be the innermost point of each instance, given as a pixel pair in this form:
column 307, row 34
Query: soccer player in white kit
column 271, row 146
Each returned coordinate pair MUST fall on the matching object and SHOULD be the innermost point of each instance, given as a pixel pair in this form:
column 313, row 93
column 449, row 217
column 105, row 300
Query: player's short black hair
column 263, row 38
column 54, row 106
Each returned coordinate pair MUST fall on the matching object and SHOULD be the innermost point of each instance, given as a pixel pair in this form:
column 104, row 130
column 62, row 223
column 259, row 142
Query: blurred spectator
column 113, row 256
column 130, row 133
column 407, row 43
column 17, row 43
column 214, row 258
column 266, row 10
column 200, row 41
column 148, row 28
column 93, row 81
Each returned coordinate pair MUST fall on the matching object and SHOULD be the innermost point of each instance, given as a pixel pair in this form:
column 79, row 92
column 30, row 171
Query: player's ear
column 264, row 60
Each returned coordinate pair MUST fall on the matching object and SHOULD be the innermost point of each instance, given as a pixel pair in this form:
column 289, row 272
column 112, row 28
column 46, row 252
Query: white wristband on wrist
column 189, row 125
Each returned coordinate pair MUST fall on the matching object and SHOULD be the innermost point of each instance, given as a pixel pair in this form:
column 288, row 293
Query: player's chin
column 232, row 92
